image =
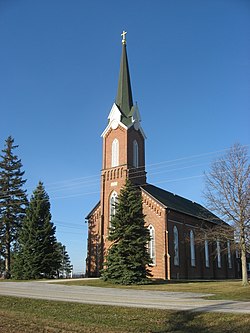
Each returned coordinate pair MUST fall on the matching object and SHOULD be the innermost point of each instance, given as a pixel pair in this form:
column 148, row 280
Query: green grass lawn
column 227, row 290
column 21, row 315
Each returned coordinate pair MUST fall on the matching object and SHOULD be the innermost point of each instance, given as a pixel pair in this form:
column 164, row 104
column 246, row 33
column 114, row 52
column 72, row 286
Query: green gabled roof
column 124, row 99
column 180, row 204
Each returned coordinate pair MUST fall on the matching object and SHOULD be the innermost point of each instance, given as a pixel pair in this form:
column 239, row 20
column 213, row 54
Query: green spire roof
column 124, row 99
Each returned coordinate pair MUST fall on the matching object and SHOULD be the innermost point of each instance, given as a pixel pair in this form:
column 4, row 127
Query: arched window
column 135, row 154
column 151, row 244
column 115, row 153
column 229, row 258
column 192, row 248
column 218, row 254
column 176, row 247
column 112, row 207
column 206, row 254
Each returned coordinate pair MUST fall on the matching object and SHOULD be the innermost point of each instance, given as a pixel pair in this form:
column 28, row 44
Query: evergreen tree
column 65, row 268
column 13, row 201
column 128, row 256
column 38, row 254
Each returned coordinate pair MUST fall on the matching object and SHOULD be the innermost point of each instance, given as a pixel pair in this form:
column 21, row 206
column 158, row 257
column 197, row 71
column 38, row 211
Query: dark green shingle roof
column 124, row 99
column 92, row 210
column 180, row 204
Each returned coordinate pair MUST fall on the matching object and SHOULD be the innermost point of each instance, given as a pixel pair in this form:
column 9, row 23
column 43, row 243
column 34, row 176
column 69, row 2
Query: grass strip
column 223, row 290
column 30, row 315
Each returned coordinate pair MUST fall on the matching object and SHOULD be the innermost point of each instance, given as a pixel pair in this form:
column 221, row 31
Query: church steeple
column 123, row 137
column 124, row 99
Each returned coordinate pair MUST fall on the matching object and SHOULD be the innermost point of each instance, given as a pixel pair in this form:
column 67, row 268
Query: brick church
column 172, row 220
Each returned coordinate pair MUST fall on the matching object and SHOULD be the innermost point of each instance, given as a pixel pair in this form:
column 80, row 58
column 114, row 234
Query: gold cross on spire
column 124, row 37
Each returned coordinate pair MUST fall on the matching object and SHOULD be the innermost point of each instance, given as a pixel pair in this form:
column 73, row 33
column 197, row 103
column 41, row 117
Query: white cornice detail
column 114, row 120
column 115, row 114
column 136, row 120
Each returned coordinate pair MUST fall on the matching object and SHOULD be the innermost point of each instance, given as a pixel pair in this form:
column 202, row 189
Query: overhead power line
column 150, row 167
column 94, row 180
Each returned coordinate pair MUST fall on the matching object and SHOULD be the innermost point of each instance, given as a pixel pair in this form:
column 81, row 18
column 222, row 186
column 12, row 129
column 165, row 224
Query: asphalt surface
column 121, row 297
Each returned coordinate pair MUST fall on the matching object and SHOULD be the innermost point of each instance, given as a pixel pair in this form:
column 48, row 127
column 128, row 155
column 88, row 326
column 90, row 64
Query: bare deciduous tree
column 227, row 193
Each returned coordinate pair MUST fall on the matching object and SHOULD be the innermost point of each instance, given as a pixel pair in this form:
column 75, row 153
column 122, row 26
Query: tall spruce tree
column 38, row 254
column 65, row 268
column 128, row 258
column 13, row 201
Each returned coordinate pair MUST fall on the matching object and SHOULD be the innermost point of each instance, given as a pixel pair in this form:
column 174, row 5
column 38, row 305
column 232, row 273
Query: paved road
column 121, row 297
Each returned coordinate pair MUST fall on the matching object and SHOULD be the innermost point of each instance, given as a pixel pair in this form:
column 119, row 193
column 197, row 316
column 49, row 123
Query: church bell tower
column 123, row 146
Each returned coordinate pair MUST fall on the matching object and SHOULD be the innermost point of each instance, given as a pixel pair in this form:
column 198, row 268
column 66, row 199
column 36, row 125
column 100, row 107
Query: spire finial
column 124, row 37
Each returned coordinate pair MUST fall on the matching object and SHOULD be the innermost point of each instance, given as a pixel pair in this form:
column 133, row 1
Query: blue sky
column 59, row 64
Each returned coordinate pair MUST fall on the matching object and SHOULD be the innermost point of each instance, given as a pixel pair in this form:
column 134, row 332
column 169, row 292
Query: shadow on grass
column 184, row 322
column 205, row 322
column 170, row 282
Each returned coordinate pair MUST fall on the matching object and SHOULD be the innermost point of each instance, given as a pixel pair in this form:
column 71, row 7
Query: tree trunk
column 244, row 262
column 7, row 255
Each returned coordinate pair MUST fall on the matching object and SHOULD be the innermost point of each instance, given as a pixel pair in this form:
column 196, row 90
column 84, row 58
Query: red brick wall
column 136, row 135
column 125, row 138
column 155, row 216
column 93, row 255
column 120, row 134
column 184, row 270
